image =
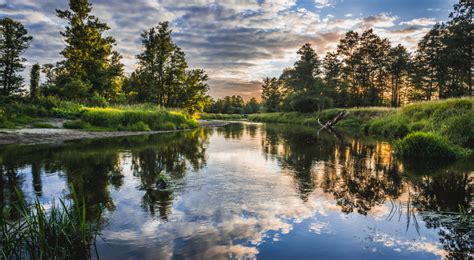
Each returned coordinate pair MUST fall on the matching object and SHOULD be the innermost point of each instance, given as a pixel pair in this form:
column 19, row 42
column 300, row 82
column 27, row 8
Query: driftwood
column 329, row 124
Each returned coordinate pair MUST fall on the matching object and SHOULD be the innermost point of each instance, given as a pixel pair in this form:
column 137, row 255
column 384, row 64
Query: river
column 254, row 191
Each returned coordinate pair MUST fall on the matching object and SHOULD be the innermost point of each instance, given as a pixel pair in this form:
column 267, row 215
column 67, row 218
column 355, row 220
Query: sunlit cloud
column 236, row 41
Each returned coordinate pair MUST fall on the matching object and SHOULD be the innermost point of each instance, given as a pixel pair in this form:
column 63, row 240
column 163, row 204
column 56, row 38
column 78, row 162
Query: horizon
column 236, row 42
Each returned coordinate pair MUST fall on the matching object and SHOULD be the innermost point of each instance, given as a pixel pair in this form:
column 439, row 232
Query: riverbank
column 29, row 136
column 443, row 128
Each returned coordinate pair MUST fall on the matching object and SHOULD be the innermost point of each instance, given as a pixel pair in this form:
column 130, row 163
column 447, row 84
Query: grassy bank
column 17, row 113
column 441, row 128
column 355, row 121
column 207, row 116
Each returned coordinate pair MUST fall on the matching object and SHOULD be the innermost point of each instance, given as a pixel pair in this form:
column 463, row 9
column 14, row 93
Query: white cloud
column 420, row 22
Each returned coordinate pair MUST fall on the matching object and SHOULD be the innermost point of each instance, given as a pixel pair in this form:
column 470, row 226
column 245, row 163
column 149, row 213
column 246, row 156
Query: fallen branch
column 329, row 124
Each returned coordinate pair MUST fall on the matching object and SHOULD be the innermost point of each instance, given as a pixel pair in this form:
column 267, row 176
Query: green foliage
column 34, row 80
column 14, row 40
column 451, row 118
column 42, row 125
column 76, row 124
column 207, row 116
column 90, row 66
column 428, row 145
column 62, row 231
column 136, row 119
column 162, row 75
column 460, row 130
column 232, row 105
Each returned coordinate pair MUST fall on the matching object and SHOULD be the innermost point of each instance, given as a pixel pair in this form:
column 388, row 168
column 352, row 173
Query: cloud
column 237, row 42
column 420, row 22
column 322, row 3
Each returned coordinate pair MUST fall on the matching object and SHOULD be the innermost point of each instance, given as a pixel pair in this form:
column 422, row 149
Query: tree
column 14, row 40
column 34, row 80
column 162, row 75
column 252, row 106
column 271, row 94
column 158, row 48
column 305, row 73
column 399, row 60
column 90, row 61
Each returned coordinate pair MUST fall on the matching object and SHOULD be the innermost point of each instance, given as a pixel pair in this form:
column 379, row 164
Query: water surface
column 254, row 191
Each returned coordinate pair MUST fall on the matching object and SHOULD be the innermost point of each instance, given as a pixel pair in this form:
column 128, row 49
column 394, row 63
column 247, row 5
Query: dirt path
column 59, row 135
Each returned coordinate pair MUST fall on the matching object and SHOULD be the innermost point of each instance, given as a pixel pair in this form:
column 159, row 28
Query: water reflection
column 249, row 190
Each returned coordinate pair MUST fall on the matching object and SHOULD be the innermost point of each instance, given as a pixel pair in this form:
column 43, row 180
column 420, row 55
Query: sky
column 237, row 42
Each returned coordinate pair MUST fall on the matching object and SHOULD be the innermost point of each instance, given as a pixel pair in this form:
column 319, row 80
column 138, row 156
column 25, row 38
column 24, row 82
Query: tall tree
column 306, row 71
column 14, row 40
column 34, row 80
column 90, row 60
column 399, row 67
column 460, row 42
column 152, row 62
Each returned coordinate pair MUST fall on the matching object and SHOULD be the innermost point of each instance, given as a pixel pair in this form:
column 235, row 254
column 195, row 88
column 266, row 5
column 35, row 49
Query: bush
column 76, row 124
column 42, row 125
column 166, row 126
column 139, row 126
column 427, row 145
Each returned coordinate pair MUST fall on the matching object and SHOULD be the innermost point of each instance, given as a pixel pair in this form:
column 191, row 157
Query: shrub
column 139, row 126
column 427, row 145
column 42, row 125
column 166, row 126
column 76, row 124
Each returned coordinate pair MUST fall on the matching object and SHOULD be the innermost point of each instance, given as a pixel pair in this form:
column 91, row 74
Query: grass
column 20, row 112
column 447, row 122
column 60, row 232
column 428, row 145
column 207, row 116
column 452, row 119
column 354, row 121
column 42, row 125
column 133, row 119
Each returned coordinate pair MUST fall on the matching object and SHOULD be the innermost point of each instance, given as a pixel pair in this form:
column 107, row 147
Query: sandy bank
column 58, row 135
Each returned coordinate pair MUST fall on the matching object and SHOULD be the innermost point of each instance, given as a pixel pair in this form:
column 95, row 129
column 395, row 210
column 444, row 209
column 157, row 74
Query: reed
column 34, row 232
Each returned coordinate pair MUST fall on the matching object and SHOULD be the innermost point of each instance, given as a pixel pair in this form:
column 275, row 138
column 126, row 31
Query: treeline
column 91, row 70
column 366, row 70
column 233, row 105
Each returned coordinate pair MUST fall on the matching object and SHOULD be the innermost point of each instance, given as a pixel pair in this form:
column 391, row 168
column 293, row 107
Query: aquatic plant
column 62, row 231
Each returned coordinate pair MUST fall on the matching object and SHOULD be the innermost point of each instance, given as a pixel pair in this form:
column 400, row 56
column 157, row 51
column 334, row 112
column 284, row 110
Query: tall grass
column 451, row 118
column 135, row 119
column 60, row 232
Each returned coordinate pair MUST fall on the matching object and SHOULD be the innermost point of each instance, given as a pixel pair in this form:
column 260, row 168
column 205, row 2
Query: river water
column 254, row 191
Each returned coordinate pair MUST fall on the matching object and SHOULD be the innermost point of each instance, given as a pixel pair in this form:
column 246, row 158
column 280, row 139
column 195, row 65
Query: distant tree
column 91, row 65
column 252, row 106
column 271, row 95
column 34, row 80
column 14, row 40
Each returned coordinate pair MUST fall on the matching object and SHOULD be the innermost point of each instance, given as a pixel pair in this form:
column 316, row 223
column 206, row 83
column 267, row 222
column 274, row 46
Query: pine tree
column 14, row 40
column 90, row 61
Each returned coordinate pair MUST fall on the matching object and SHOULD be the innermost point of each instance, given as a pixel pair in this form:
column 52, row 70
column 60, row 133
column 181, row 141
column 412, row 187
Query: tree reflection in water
column 362, row 175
